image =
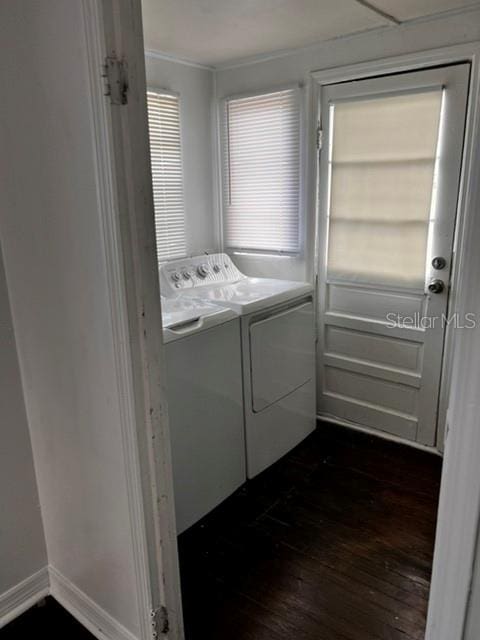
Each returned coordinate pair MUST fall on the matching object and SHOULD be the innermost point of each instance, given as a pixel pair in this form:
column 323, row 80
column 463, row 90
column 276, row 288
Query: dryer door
column 282, row 351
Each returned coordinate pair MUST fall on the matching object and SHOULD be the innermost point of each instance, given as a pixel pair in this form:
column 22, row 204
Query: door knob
column 436, row 286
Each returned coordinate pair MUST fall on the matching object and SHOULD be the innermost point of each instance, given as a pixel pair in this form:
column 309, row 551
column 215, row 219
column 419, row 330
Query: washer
column 205, row 405
column 278, row 349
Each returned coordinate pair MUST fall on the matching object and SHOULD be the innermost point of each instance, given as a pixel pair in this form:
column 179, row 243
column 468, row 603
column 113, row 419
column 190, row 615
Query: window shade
column 382, row 165
column 262, row 172
column 167, row 178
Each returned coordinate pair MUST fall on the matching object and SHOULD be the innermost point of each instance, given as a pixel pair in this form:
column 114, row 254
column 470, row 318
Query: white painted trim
column 111, row 238
column 23, row 596
column 396, row 64
column 132, row 254
column 169, row 57
column 460, row 492
column 100, row 623
column 346, row 39
column 459, row 508
column 324, row 417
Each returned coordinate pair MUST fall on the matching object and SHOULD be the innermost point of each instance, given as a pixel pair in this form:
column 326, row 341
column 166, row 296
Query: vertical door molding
column 127, row 221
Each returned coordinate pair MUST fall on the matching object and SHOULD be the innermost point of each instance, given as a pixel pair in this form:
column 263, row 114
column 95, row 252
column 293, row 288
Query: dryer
column 205, row 405
column 277, row 344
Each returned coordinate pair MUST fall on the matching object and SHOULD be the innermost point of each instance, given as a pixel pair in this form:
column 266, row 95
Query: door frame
column 460, row 493
column 377, row 68
column 127, row 220
column 124, row 192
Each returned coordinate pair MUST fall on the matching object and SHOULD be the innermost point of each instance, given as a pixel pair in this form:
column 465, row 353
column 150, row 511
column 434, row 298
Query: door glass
column 382, row 164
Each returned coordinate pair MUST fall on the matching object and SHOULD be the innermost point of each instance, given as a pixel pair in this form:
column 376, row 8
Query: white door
column 389, row 178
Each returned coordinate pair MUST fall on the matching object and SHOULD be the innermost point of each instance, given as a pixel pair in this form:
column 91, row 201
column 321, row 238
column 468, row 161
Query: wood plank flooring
column 334, row 542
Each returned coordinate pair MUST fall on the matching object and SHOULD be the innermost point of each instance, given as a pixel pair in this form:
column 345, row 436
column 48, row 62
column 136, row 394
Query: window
column 262, row 172
column 167, row 178
column 382, row 162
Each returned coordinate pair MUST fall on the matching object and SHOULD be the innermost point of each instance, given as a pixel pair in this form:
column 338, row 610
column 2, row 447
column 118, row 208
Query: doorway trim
column 124, row 192
column 453, row 562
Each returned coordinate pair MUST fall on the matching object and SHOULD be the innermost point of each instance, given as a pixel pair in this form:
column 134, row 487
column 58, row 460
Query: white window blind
column 262, row 172
column 167, row 178
column 382, row 164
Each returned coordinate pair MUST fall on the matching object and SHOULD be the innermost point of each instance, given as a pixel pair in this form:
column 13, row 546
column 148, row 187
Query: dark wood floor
column 334, row 542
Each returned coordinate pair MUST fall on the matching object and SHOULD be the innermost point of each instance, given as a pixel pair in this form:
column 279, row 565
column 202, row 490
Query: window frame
column 222, row 170
column 173, row 94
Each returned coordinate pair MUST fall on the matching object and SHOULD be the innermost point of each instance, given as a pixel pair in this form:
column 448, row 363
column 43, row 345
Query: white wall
column 51, row 235
column 195, row 86
column 296, row 68
column 22, row 542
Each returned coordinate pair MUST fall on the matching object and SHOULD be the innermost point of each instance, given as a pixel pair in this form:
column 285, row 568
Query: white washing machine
column 205, row 405
column 278, row 349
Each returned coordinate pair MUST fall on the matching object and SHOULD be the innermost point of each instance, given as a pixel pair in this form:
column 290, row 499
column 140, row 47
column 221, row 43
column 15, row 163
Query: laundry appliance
column 205, row 404
column 277, row 346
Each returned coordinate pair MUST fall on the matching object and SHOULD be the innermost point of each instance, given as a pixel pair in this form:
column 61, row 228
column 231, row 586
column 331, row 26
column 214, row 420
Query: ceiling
column 213, row 32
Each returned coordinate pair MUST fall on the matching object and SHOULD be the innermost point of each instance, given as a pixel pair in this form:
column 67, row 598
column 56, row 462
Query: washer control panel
column 189, row 273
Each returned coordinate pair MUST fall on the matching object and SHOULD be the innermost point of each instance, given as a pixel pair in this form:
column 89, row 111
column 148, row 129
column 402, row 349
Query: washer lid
column 183, row 316
column 250, row 294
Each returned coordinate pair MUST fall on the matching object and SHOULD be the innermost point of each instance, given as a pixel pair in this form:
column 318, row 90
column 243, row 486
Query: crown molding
column 168, row 57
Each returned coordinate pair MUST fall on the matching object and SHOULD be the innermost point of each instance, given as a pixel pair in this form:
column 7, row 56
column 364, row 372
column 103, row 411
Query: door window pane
column 382, row 165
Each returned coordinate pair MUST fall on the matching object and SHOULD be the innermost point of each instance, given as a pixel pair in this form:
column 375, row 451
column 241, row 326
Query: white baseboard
column 24, row 595
column 100, row 623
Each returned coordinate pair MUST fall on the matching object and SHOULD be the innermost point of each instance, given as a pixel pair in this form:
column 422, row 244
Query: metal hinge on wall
column 319, row 137
column 160, row 623
column 116, row 79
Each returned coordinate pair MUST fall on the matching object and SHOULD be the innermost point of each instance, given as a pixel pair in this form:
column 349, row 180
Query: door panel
column 373, row 349
column 372, row 390
column 372, row 303
column 388, row 192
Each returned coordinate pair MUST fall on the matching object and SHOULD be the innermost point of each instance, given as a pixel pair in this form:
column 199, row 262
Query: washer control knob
column 202, row 270
column 175, row 276
column 186, row 275
column 216, row 268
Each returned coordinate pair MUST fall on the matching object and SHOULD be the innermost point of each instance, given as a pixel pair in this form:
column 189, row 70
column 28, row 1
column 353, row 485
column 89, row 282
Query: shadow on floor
column 334, row 542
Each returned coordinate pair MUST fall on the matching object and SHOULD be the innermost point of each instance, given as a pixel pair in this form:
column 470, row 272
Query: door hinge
column 115, row 72
column 319, row 137
column 160, row 623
